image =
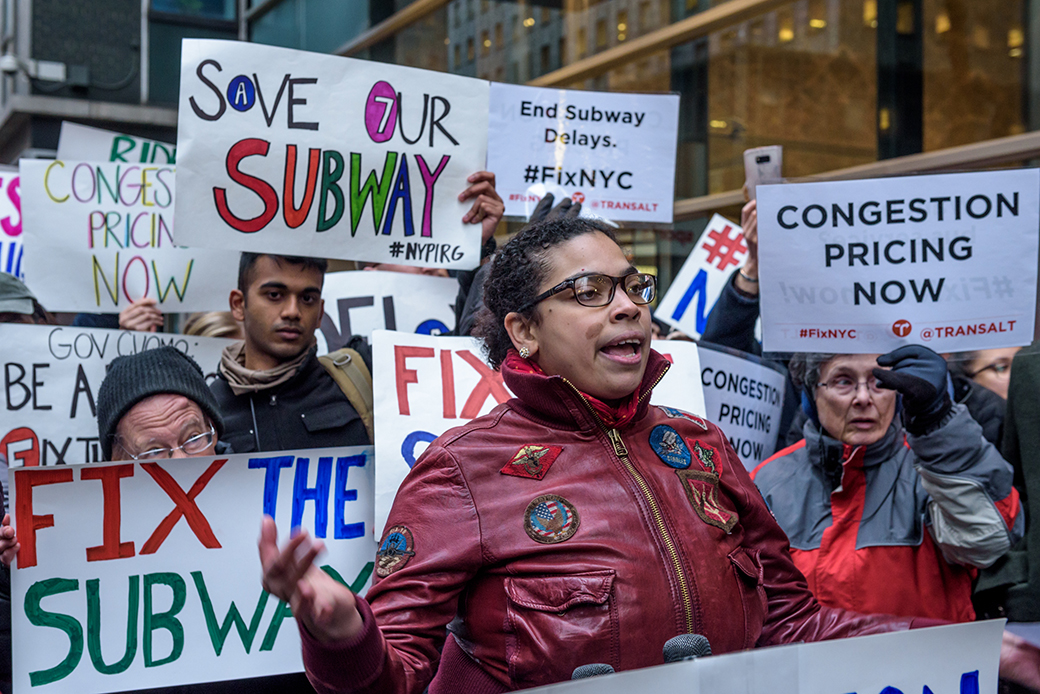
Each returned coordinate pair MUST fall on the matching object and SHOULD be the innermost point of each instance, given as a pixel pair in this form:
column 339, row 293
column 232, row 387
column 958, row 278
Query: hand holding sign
column 325, row 607
column 488, row 207
column 8, row 541
column 141, row 315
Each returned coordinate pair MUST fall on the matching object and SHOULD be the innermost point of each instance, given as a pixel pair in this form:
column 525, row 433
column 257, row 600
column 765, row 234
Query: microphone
column 592, row 670
column 686, row 647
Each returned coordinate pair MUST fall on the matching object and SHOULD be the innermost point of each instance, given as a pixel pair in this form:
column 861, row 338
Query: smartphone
column 762, row 165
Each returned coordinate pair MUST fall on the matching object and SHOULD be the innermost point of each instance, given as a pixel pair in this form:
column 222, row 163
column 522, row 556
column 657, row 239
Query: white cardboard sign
column 83, row 143
column 948, row 261
column 692, row 295
column 356, row 303
column 425, row 385
column 51, row 379
column 745, row 397
column 11, row 247
column 139, row 575
column 100, row 235
column 614, row 153
column 960, row 658
column 284, row 151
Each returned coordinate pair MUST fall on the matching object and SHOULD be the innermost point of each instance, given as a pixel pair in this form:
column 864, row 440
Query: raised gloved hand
column 920, row 375
column 544, row 210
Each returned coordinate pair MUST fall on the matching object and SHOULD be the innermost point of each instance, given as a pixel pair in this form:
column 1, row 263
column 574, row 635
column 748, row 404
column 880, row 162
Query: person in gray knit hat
column 156, row 404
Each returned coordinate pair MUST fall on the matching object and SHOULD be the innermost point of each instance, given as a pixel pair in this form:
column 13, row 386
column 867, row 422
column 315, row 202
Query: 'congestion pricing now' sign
column 614, row 153
column 283, row 151
column 949, row 261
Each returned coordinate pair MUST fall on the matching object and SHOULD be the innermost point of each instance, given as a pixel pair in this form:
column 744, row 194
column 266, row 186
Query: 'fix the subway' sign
column 949, row 261
column 290, row 152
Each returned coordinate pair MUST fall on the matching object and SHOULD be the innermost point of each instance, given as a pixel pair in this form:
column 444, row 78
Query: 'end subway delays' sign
column 284, row 151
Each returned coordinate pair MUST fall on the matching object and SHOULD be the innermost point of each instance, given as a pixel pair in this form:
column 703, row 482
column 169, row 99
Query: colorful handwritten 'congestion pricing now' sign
column 52, row 374
column 283, row 151
column 100, row 235
column 146, row 574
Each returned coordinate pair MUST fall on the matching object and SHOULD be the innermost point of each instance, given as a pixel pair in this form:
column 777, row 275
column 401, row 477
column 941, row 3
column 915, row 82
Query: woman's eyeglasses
column 845, row 386
column 998, row 367
column 194, row 445
column 598, row 290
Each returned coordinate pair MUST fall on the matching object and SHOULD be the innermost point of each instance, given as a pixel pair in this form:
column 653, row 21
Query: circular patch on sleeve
column 550, row 519
column 395, row 551
column 670, row 447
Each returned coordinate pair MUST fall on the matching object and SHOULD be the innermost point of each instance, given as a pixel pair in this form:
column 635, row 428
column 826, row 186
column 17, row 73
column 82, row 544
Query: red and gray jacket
column 899, row 526
column 548, row 540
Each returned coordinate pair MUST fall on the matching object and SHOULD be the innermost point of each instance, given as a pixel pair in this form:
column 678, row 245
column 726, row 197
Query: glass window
column 212, row 9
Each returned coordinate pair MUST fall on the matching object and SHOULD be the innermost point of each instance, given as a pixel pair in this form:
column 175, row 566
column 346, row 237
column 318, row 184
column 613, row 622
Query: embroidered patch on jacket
column 550, row 519
column 708, row 457
column 397, row 548
column 702, row 489
column 679, row 414
column 532, row 461
column 670, row 447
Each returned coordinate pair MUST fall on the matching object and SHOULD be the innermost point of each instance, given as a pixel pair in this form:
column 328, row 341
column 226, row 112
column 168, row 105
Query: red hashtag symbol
column 725, row 247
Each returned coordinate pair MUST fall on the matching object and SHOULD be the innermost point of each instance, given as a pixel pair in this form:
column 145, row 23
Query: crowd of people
column 577, row 523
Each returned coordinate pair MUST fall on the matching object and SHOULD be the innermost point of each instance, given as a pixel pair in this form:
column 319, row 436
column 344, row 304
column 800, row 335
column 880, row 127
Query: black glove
column 920, row 375
column 544, row 210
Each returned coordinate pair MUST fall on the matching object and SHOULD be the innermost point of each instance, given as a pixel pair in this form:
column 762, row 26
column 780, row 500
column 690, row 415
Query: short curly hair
column 805, row 368
column 516, row 273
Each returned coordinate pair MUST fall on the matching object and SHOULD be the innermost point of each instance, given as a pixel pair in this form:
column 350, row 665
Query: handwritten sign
column 745, row 397
column 83, row 143
column 100, row 235
column 144, row 574
column 51, row 379
column 960, row 658
column 948, row 261
column 692, row 295
column 283, row 151
column 11, row 247
column 615, row 153
column 356, row 303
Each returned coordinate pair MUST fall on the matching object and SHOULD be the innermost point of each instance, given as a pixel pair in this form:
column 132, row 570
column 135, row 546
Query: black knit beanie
column 132, row 378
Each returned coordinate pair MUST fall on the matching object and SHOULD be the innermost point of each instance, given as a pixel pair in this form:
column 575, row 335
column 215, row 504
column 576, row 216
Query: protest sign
column 681, row 386
column 614, row 153
column 694, row 291
column 425, row 385
column 948, row 261
column 100, row 235
column 83, row 143
column 11, row 247
column 51, row 378
column 284, row 151
column 744, row 395
column 131, row 575
column 960, row 658
column 356, row 303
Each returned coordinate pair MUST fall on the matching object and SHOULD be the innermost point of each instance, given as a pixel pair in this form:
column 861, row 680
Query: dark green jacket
column 1018, row 572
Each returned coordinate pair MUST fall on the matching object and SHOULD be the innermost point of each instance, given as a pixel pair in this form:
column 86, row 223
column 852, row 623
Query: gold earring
column 524, row 352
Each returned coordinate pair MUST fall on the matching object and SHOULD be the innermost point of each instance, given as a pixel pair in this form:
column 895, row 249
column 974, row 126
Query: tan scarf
column 243, row 380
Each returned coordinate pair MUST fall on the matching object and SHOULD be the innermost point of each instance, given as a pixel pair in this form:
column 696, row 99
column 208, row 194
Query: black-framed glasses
column 193, row 446
column 598, row 290
column 845, row 385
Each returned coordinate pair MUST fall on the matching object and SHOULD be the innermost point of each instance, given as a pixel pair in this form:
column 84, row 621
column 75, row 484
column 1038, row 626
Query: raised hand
column 488, row 207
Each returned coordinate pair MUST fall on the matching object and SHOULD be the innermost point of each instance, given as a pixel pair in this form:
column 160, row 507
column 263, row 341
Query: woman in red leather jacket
column 574, row 524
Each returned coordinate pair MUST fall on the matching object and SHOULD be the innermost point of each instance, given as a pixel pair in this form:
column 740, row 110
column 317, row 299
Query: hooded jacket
column 546, row 540
column 898, row 526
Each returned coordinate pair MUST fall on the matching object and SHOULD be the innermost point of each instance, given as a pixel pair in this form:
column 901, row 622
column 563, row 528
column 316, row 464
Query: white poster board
column 960, row 658
column 51, row 377
column 283, row 151
column 948, row 261
column 11, row 247
column 356, row 303
column 719, row 252
column 168, row 550
column 745, row 398
column 100, row 235
column 83, row 143
column 681, row 386
column 614, row 153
